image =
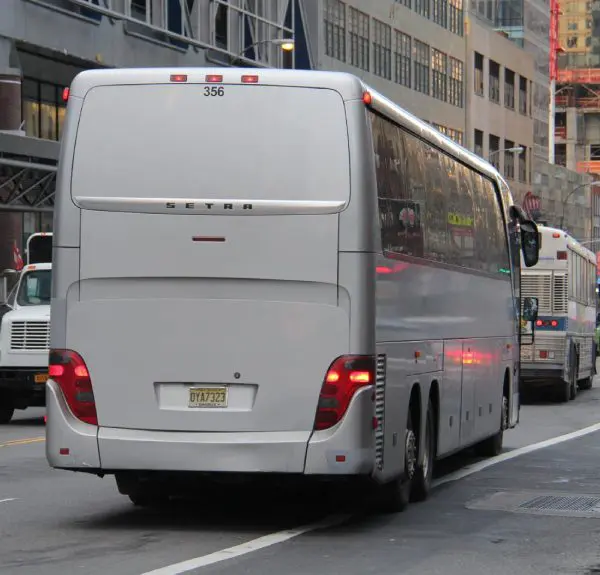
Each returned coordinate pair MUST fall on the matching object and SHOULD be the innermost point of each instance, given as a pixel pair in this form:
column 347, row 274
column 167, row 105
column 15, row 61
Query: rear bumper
column 347, row 449
column 541, row 375
column 18, row 384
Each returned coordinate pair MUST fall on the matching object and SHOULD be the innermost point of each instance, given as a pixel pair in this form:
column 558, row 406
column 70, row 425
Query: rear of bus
column 201, row 314
column 543, row 362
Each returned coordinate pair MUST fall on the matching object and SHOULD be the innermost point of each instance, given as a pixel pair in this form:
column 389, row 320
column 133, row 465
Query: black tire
column 148, row 500
column 573, row 386
column 586, row 383
column 565, row 392
column 421, row 483
column 395, row 495
column 6, row 414
column 492, row 446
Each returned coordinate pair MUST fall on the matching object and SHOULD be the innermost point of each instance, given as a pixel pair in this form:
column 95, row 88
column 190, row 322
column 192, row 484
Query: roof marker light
column 214, row 79
column 65, row 94
column 249, row 79
column 178, row 78
column 556, row 235
column 367, row 98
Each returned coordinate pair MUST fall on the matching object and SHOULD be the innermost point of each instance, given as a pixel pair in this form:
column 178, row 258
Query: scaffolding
column 27, row 173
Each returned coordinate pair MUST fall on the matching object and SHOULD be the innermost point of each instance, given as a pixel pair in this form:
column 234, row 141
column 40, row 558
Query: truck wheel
column 421, row 484
column 6, row 414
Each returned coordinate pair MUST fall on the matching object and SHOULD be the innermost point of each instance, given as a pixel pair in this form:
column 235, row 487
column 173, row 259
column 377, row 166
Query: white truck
column 25, row 331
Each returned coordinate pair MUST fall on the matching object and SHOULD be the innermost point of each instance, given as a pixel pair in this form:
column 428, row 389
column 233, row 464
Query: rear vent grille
column 559, row 303
column 539, row 286
column 380, row 410
column 30, row 336
column 551, row 288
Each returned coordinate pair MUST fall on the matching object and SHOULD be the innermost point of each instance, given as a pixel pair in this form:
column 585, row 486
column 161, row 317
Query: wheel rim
column 426, row 451
column 504, row 413
column 410, row 453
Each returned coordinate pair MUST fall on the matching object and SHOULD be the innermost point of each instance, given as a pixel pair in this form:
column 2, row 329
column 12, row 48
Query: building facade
column 422, row 54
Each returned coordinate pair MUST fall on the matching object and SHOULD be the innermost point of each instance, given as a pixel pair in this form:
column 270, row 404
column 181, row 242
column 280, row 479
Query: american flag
column 532, row 205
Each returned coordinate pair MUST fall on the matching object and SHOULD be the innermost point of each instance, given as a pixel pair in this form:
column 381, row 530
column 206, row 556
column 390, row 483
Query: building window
column 43, row 109
column 453, row 134
column 403, row 59
column 422, row 8
column 523, row 95
column 382, row 49
column 478, row 143
column 359, row 39
column 335, row 29
column 494, row 82
column 440, row 12
column 421, row 67
column 509, row 160
column 439, row 66
column 455, row 17
column 494, row 148
column 478, row 76
column 509, row 88
column 455, row 92
column 523, row 165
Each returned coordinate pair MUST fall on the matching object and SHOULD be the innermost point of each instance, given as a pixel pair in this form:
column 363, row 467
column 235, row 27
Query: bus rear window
column 174, row 141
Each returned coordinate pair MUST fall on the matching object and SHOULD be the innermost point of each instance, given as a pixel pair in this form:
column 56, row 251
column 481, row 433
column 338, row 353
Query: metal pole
column 551, row 121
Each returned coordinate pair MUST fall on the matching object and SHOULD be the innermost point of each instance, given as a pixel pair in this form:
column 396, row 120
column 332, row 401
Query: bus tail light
column 346, row 375
column 69, row 371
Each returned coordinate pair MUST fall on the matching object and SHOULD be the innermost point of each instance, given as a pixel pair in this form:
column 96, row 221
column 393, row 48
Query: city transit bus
column 564, row 282
column 301, row 280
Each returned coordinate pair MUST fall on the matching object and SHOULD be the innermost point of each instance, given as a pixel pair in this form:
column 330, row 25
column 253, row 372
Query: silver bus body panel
column 334, row 306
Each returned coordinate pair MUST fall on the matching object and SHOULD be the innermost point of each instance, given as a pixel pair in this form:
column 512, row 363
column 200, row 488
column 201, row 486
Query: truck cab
column 25, row 332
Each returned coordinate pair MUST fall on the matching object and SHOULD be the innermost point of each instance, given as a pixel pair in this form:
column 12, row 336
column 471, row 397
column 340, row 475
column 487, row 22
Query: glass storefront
column 43, row 109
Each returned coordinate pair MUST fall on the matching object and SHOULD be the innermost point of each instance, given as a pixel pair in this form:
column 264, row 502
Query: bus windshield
column 35, row 288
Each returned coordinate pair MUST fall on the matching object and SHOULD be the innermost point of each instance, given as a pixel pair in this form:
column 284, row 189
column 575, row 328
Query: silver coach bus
column 299, row 279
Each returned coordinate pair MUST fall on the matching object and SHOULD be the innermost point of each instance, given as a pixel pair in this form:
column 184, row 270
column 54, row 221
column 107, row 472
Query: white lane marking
column 281, row 536
column 481, row 465
column 248, row 547
column 7, row 500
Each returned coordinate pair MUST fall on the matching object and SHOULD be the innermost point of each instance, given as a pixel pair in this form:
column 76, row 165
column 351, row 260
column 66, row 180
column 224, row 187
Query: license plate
column 40, row 377
column 208, row 397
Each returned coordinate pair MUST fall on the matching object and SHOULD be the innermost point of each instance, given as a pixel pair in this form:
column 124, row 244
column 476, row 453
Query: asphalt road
column 57, row 523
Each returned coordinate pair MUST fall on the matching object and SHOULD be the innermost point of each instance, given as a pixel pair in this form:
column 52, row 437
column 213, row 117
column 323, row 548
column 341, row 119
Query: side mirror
column 528, row 319
column 530, row 243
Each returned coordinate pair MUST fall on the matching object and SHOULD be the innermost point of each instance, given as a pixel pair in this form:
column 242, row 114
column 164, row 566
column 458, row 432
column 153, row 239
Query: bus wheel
column 6, row 414
column 573, row 386
column 421, row 483
column 396, row 493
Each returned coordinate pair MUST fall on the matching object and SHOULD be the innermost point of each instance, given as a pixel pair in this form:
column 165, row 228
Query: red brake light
column 560, row 255
column 539, row 323
column 554, row 323
column 367, row 98
column 69, row 371
column 178, row 78
column 214, row 79
column 65, row 94
column 344, row 378
column 248, row 79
